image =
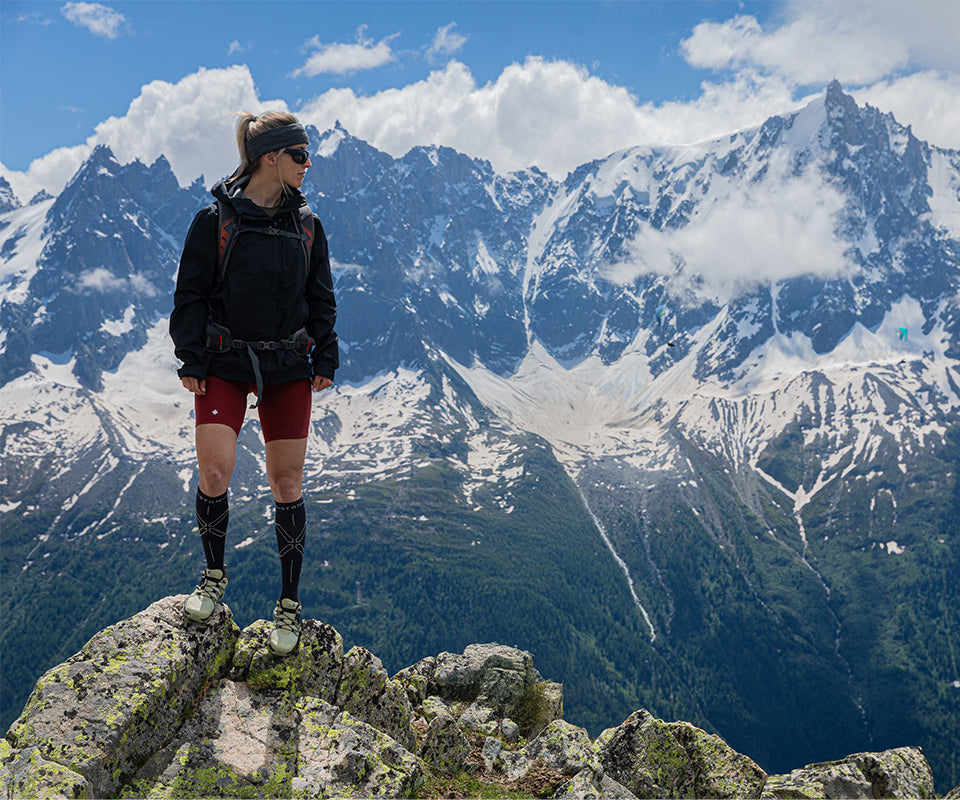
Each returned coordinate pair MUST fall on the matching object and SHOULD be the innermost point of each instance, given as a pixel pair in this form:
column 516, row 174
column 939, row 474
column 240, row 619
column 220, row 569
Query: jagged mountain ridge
column 489, row 333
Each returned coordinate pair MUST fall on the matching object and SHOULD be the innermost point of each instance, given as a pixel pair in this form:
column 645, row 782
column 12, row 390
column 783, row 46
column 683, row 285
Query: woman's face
column 292, row 173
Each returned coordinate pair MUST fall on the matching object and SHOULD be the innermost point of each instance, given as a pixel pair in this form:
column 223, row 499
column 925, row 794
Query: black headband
column 275, row 139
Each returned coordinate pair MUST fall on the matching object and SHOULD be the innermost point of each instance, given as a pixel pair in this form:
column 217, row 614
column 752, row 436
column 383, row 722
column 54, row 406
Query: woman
column 254, row 313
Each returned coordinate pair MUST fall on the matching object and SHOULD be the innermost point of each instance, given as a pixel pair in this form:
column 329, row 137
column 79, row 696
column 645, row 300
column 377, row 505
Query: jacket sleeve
column 322, row 306
column 195, row 282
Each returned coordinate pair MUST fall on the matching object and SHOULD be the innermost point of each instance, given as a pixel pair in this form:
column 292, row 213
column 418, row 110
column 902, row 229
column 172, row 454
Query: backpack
column 229, row 226
column 218, row 337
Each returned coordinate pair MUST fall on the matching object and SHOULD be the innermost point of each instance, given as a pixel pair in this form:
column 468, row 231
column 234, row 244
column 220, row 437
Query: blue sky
column 520, row 83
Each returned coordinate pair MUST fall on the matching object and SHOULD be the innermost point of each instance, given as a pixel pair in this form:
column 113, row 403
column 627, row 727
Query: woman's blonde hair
column 250, row 125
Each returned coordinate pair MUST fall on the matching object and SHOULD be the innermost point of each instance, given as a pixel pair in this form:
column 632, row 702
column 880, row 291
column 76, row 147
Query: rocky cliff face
column 155, row 706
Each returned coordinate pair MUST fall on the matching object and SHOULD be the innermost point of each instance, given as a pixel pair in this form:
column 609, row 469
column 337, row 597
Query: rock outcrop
column 156, row 706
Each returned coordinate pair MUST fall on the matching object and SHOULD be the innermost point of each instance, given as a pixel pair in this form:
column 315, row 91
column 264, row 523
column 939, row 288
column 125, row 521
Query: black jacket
column 267, row 294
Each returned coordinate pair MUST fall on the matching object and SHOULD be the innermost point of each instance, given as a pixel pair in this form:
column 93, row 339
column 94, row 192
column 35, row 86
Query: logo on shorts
column 215, row 412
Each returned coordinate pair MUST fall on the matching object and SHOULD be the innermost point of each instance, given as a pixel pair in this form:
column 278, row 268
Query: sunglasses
column 299, row 156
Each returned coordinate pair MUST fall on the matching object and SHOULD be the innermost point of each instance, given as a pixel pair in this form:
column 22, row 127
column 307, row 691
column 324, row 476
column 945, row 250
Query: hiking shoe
column 286, row 627
column 199, row 605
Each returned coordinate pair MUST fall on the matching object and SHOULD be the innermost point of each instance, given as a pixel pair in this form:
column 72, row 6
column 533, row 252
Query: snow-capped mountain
column 684, row 425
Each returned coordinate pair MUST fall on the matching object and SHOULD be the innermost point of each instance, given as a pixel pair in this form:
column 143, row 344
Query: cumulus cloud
column 899, row 57
column 847, row 49
column 96, row 18
column 100, row 279
column 446, row 42
column 557, row 115
column 780, row 228
column 814, row 41
column 191, row 122
column 552, row 114
column 341, row 58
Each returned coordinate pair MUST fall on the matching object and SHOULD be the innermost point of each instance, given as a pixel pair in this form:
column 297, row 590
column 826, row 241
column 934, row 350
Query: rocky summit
column 157, row 706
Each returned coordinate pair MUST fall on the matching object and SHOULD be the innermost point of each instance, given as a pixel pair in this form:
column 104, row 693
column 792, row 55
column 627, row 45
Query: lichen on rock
column 902, row 772
column 345, row 756
column 653, row 758
column 445, row 746
column 106, row 709
column 367, row 692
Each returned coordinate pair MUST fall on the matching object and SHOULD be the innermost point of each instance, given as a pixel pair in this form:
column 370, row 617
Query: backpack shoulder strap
column 226, row 228
column 306, row 223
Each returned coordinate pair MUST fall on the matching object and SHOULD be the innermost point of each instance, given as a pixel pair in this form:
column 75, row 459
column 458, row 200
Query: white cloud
column 33, row 18
column 780, row 228
column 849, row 50
column 191, row 122
column 235, row 47
column 556, row 115
column 446, row 42
column 96, row 18
column 814, row 41
column 100, row 279
column 552, row 114
column 900, row 57
column 343, row 58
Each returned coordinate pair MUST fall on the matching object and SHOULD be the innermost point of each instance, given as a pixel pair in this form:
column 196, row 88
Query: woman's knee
column 285, row 459
column 216, row 456
column 215, row 478
column 287, row 487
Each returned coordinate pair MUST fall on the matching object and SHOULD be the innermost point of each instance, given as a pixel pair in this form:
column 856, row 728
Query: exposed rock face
column 156, row 706
column 100, row 714
column 903, row 772
column 653, row 758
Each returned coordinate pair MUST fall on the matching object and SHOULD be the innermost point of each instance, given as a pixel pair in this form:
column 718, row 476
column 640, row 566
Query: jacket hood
column 232, row 193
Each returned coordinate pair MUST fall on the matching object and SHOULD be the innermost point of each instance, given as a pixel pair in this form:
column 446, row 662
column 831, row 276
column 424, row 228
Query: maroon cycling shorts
column 284, row 409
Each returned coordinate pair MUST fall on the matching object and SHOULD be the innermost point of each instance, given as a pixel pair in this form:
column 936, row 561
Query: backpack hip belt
column 219, row 340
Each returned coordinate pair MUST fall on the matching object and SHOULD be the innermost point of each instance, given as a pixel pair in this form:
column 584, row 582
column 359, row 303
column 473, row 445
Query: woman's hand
column 320, row 383
column 194, row 385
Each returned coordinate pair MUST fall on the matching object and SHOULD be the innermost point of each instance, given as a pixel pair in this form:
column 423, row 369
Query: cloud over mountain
column 551, row 113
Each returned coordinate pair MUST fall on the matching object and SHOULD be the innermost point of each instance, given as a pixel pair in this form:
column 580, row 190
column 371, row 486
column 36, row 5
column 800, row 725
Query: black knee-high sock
column 213, row 514
column 291, row 535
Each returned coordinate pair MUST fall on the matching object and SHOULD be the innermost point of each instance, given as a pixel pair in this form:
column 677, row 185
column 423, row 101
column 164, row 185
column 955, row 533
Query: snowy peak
column 102, row 268
column 839, row 105
column 8, row 200
column 820, row 208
